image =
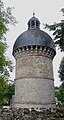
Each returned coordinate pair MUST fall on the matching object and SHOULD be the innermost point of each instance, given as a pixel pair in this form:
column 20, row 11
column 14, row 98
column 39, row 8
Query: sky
column 47, row 11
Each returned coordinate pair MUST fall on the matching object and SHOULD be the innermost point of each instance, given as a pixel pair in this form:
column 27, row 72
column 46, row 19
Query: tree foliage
column 3, row 92
column 59, row 93
column 61, row 71
column 58, row 33
column 11, row 90
column 6, row 19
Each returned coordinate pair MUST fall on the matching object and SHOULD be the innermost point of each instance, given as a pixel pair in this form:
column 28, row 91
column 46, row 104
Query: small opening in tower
column 33, row 23
column 37, row 24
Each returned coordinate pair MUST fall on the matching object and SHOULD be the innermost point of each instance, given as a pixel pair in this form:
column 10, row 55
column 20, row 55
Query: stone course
column 32, row 114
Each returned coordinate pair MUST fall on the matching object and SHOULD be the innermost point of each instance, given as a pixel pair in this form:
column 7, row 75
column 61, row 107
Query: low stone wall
column 32, row 114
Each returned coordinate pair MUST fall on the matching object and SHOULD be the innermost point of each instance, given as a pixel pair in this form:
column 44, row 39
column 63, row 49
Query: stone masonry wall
column 31, row 66
column 34, row 84
column 34, row 92
column 32, row 114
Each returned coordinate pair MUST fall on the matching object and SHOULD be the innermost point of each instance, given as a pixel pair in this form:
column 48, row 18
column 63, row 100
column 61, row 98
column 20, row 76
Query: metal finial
column 33, row 13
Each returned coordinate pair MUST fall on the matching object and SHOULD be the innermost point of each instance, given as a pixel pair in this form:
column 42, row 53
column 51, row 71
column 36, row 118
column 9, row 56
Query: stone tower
column 34, row 83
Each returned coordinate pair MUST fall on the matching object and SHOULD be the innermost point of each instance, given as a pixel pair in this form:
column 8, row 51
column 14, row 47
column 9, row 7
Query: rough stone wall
column 26, row 114
column 32, row 92
column 34, row 66
column 34, row 83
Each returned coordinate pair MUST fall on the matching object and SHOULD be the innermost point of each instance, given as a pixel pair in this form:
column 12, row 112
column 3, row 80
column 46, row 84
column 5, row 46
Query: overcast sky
column 47, row 11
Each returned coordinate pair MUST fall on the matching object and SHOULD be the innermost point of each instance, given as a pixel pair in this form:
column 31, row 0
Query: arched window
column 37, row 23
column 33, row 23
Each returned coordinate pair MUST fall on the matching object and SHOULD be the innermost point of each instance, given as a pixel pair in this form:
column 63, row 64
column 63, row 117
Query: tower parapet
column 36, row 50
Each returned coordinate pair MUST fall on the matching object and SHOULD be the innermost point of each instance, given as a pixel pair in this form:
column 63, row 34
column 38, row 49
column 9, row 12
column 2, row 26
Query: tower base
column 34, row 93
column 34, row 106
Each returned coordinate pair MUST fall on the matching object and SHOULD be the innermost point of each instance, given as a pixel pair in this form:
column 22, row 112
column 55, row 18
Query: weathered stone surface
column 34, row 84
column 34, row 92
column 27, row 114
column 30, row 66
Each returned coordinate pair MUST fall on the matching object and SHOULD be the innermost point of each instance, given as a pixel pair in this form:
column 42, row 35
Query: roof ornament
column 33, row 13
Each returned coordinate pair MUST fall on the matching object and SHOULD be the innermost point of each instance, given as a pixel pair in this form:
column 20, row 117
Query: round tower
column 34, row 83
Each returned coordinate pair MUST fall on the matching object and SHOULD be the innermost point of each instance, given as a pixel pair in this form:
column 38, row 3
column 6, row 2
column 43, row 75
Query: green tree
column 61, row 71
column 59, row 93
column 58, row 33
column 3, row 92
column 6, row 19
column 11, row 90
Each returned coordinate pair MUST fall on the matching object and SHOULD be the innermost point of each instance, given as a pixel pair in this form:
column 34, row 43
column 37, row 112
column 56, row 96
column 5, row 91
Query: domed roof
column 33, row 36
column 33, row 22
column 33, row 18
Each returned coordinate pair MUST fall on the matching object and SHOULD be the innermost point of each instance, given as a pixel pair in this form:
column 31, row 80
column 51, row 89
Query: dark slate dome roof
column 33, row 18
column 33, row 36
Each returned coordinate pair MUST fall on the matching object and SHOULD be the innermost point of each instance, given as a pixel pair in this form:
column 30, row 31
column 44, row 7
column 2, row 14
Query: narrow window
column 33, row 23
column 37, row 23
